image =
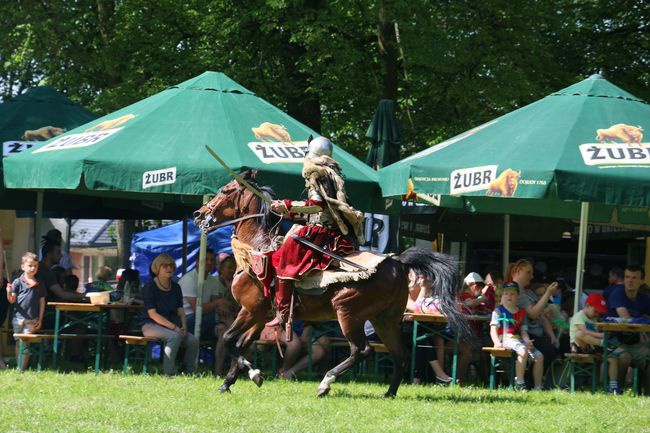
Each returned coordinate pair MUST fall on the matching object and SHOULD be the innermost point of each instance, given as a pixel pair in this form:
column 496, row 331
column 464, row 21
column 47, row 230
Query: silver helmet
column 319, row 146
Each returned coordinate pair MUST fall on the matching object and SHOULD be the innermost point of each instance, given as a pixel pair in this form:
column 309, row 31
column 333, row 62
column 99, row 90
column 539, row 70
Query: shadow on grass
column 513, row 397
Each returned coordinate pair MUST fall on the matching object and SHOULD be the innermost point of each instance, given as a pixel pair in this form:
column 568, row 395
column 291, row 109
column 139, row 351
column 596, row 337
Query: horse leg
column 387, row 328
column 253, row 373
column 359, row 350
column 238, row 338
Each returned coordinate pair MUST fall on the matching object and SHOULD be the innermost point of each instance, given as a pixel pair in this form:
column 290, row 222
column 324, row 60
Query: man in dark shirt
column 629, row 303
column 51, row 257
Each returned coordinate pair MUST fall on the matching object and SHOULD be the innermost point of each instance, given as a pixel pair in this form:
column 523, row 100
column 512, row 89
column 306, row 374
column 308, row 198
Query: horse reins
column 236, row 220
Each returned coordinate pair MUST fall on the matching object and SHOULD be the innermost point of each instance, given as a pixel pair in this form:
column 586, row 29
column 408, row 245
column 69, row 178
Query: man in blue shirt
column 615, row 280
column 627, row 302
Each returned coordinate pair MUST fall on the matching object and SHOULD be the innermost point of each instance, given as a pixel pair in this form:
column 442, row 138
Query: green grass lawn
column 52, row 402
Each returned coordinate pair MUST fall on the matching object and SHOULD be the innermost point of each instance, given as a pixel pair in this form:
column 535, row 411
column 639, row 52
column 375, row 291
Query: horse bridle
column 239, row 210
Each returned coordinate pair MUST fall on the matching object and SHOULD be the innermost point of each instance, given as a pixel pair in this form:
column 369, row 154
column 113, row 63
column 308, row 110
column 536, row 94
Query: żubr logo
column 165, row 176
column 13, row 147
column 615, row 154
column 472, row 179
column 74, row 141
column 276, row 144
column 270, row 153
column 619, row 144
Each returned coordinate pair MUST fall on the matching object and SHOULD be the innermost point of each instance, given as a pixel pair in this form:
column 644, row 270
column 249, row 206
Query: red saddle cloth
column 294, row 259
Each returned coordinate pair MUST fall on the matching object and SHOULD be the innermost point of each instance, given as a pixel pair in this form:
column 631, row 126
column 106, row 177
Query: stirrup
column 288, row 333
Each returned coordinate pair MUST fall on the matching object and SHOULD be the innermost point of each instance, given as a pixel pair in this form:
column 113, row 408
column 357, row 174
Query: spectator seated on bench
column 164, row 317
column 509, row 330
column 585, row 339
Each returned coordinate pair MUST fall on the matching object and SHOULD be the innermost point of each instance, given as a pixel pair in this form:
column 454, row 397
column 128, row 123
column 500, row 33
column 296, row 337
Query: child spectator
column 555, row 317
column 101, row 280
column 477, row 297
column 585, row 338
column 28, row 296
column 509, row 329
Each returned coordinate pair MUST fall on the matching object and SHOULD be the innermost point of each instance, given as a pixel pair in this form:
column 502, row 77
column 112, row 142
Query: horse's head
column 232, row 201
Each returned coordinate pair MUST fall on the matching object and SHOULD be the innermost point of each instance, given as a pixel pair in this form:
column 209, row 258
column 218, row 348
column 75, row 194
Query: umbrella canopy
column 580, row 144
column 384, row 133
column 32, row 117
column 156, row 148
column 23, row 118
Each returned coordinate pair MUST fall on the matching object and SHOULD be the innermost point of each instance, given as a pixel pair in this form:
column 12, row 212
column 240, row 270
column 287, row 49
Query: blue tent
column 145, row 246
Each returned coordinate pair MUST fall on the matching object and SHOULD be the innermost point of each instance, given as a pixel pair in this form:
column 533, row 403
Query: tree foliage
column 455, row 64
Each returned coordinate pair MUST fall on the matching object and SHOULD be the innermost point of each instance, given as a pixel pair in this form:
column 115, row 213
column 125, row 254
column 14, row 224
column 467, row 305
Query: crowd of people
column 530, row 318
column 168, row 306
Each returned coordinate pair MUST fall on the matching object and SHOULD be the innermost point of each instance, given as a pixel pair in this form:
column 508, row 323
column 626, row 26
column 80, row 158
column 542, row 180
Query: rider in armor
column 331, row 224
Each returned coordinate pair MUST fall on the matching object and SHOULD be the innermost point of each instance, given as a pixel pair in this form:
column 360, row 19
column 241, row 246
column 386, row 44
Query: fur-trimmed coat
column 323, row 174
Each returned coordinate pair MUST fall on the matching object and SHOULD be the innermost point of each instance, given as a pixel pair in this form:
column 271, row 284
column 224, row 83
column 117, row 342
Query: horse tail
column 442, row 271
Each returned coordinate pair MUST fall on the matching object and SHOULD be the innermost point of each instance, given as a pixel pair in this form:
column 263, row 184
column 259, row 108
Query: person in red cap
column 585, row 338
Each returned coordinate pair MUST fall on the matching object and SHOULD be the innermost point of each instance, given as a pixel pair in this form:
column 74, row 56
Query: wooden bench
column 24, row 343
column 382, row 358
column 583, row 364
column 498, row 357
column 37, row 338
column 140, row 344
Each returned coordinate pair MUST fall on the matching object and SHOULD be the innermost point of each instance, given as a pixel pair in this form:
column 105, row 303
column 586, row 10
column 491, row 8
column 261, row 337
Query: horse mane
column 269, row 220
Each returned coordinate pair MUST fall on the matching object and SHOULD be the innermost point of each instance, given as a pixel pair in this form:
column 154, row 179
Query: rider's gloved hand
column 279, row 206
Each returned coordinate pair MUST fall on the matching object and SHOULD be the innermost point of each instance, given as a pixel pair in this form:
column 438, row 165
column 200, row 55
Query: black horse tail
column 442, row 271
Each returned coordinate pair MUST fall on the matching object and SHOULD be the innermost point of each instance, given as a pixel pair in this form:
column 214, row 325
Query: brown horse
column 380, row 299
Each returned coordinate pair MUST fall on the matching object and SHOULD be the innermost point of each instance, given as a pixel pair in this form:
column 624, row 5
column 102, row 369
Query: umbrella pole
column 199, row 289
column 38, row 220
column 582, row 248
column 184, row 244
column 506, row 243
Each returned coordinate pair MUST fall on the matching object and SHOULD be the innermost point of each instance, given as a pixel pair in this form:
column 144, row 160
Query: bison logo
column 272, row 132
column 625, row 133
column 110, row 124
column 504, row 185
column 42, row 134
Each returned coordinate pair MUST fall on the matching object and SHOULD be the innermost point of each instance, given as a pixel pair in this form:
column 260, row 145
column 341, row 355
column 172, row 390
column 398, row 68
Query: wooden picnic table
column 93, row 316
column 608, row 328
column 428, row 322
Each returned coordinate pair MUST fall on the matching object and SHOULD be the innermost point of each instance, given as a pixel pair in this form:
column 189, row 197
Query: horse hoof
column 322, row 392
column 257, row 378
column 224, row 389
column 390, row 395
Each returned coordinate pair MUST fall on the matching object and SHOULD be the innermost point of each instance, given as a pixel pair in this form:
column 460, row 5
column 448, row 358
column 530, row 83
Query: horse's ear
column 310, row 138
column 249, row 175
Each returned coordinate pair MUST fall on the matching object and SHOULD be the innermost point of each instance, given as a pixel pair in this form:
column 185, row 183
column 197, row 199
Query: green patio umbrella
column 385, row 137
column 27, row 119
column 577, row 148
column 37, row 109
column 156, row 148
column 580, row 144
